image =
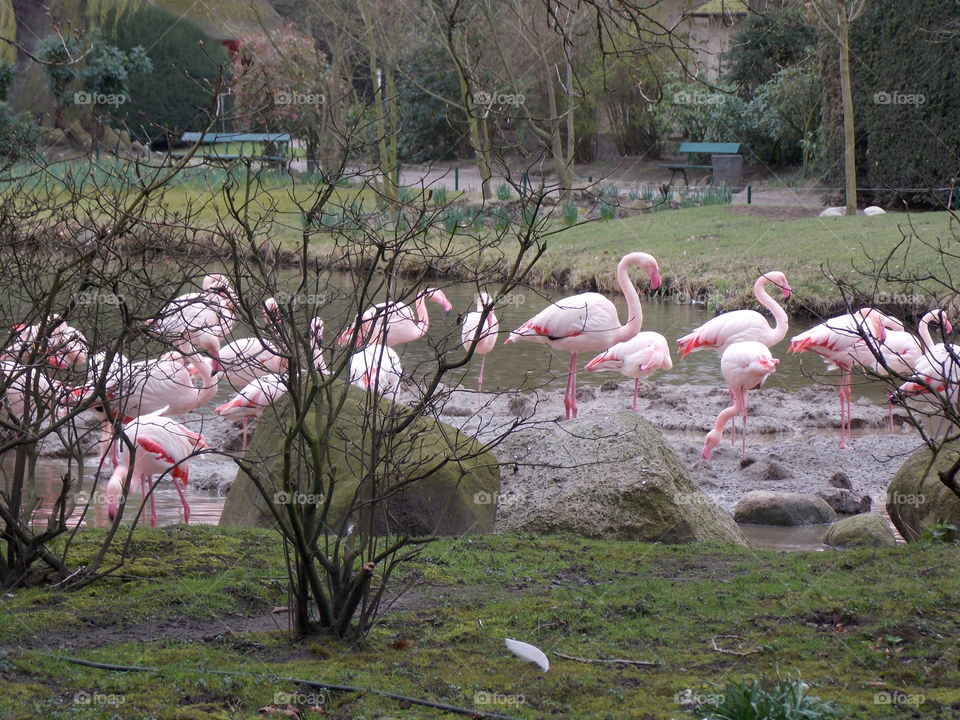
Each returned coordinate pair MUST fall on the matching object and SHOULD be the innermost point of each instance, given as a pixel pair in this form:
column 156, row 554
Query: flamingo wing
column 584, row 315
column 724, row 330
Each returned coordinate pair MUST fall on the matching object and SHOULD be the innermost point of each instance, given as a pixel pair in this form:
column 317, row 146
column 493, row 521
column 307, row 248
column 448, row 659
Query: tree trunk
column 846, row 92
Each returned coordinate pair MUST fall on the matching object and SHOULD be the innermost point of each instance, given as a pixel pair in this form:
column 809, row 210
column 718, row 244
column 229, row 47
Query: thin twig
column 605, row 661
column 737, row 653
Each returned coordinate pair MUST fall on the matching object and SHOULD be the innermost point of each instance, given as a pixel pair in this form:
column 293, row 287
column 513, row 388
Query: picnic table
column 256, row 141
column 696, row 148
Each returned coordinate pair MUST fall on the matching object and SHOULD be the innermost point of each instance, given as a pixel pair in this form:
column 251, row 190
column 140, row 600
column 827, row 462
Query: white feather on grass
column 526, row 651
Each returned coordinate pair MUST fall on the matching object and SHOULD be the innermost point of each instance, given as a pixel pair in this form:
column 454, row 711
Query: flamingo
column 209, row 311
column 157, row 444
column 638, row 357
column 480, row 339
column 254, row 397
column 589, row 322
column 745, row 366
column 394, row 323
column 63, row 345
column 834, row 341
column 26, row 386
column 375, row 368
column 739, row 325
column 252, row 357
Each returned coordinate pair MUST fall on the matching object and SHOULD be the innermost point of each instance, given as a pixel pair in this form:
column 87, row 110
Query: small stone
column 840, row 480
column 609, row 386
column 774, row 471
column 747, row 461
column 867, row 530
column 519, row 405
column 586, row 393
column 763, row 507
column 844, row 502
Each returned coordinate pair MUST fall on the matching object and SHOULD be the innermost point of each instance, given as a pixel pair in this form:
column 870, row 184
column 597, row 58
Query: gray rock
column 764, row 507
column 609, row 475
column 917, row 499
column 845, row 502
column 840, row 480
column 773, row 471
column 867, row 530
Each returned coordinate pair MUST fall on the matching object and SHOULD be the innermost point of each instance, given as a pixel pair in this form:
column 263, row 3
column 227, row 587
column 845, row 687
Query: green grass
column 850, row 624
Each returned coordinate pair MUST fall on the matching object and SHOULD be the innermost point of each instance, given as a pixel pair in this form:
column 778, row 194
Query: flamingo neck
column 924, row 329
column 779, row 331
column 423, row 319
column 208, row 387
column 634, row 310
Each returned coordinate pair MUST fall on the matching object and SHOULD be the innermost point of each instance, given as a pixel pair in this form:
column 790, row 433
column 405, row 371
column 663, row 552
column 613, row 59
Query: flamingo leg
column 743, row 435
column 636, row 390
column 844, row 409
column 890, row 415
column 570, row 398
column 244, row 435
column 179, row 475
column 483, row 359
column 733, row 425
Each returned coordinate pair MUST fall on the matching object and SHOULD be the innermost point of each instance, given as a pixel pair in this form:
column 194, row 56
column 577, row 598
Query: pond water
column 522, row 365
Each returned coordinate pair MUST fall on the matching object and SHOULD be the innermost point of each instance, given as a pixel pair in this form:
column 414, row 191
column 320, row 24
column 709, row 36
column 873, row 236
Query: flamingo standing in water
column 835, row 341
column 745, row 366
column 153, row 444
column 394, row 323
column 739, row 325
column 589, row 322
column 481, row 339
column 638, row 357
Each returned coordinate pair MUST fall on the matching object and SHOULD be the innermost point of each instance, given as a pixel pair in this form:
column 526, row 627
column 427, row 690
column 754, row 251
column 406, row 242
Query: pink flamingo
column 153, row 444
column 638, row 357
column 481, row 339
column 745, row 366
column 209, row 311
column 739, row 325
column 375, row 368
column 252, row 357
column 63, row 346
column 394, row 323
column 834, row 341
column 254, row 397
column 589, row 322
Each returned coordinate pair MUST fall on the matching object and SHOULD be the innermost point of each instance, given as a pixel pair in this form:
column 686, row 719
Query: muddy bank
column 791, row 444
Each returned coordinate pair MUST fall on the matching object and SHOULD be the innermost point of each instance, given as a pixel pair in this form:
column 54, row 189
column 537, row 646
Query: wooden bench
column 695, row 148
column 281, row 140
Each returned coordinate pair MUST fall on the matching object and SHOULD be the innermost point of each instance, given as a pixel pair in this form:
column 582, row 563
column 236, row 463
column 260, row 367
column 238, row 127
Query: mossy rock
column 865, row 530
column 605, row 476
column 917, row 499
column 451, row 474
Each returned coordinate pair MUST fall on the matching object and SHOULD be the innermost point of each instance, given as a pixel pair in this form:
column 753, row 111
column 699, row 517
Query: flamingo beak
column 595, row 363
column 655, row 280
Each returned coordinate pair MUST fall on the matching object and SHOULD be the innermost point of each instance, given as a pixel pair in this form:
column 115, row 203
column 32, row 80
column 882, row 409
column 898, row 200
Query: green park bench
column 695, row 148
column 255, row 140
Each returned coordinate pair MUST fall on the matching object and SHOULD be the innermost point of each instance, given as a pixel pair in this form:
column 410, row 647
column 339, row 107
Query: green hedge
column 174, row 96
column 906, row 66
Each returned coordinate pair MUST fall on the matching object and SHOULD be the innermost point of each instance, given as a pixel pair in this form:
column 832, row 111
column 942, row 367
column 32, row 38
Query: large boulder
column 447, row 470
column 917, row 499
column 605, row 476
column 866, row 530
column 765, row 507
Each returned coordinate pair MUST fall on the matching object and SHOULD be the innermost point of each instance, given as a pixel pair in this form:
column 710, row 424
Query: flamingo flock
column 137, row 402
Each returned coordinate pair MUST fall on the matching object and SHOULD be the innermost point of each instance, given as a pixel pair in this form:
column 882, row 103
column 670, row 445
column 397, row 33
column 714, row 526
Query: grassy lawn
column 195, row 603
